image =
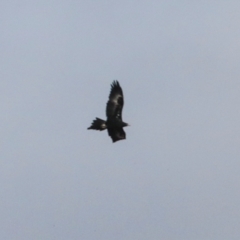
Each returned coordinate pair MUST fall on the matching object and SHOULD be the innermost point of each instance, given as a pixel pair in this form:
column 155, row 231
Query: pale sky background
column 176, row 176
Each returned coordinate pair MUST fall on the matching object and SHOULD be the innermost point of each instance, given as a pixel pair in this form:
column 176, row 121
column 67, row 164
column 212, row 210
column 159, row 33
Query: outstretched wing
column 116, row 134
column 115, row 102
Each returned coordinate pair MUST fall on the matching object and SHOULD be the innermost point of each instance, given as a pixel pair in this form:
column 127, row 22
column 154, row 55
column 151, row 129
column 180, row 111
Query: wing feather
column 115, row 102
column 116, row 134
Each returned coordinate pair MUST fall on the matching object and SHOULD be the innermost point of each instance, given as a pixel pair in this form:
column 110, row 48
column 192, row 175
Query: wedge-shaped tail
column 98, row 124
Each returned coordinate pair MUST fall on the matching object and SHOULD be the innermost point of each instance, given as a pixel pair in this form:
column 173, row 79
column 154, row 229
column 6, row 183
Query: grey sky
column 176, row 176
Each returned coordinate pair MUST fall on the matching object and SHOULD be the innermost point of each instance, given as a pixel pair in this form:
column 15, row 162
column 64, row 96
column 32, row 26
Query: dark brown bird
column 114, row 123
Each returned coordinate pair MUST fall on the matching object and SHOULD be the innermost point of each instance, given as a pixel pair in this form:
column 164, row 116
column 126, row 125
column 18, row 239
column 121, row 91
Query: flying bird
column 114, row 123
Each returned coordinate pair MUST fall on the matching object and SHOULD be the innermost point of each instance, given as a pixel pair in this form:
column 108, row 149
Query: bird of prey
column 114, row 123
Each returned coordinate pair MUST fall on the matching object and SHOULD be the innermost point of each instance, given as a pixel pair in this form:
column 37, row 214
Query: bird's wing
column 116, row 134
column 115, row 102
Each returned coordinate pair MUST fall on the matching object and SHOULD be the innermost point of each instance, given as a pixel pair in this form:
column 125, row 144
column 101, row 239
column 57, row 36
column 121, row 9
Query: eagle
column 114, row 123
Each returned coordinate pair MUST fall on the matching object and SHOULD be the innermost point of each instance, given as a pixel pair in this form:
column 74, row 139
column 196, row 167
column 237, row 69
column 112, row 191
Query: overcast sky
column 176, row 176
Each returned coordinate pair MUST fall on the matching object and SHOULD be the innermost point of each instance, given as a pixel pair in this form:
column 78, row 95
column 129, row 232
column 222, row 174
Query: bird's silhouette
column 114, row 123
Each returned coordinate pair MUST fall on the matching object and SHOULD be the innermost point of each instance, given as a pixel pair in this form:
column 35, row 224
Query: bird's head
column 126, row 124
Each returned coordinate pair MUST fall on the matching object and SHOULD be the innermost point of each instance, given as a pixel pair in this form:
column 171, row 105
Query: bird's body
column 114, row 123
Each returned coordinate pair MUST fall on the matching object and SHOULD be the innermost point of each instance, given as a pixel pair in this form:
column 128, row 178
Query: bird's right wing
column 115, row 102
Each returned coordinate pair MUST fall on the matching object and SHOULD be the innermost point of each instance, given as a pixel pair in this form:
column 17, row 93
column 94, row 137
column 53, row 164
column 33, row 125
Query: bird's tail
column 98, row 124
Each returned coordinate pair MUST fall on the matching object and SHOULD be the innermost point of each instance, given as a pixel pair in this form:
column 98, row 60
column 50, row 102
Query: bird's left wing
column 116, row 134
